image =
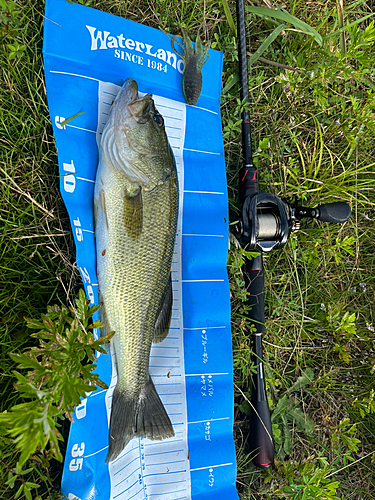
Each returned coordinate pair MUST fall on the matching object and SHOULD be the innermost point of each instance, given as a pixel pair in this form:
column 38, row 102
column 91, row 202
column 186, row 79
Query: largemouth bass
column 135, row 211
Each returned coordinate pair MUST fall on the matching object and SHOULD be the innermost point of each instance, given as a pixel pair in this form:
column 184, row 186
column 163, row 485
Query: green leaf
column 96, row 324
column 63, row 123
column 288, row 445
column 263, row 143
column 232, row 80
column 19, row 491
column 11, row 480
column 281, row 407
column 27, row 492
column 27, row 388
column 25, row 471
column 305, row 379
column 284, row 16
column 25, row 361
column 303, row 422
column 245, row 407
column 278, row 14
column 250, row 255
column 351, row 442
column 28, row 448
column 344, row 423
column 32, row 485
column 34, row 324
column 276, row 431
column 56, row 379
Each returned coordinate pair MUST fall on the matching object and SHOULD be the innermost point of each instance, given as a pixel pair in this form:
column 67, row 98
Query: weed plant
column 313, row 119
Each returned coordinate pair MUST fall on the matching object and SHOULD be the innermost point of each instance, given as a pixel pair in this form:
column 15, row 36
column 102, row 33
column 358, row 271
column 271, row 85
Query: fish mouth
column 130, row 104
column 139, row 107
column 130, row 90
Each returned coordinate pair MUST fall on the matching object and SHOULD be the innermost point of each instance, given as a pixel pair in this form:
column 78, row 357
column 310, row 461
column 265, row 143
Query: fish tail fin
column 152, row 419
column 140, row 416
column 121, row 425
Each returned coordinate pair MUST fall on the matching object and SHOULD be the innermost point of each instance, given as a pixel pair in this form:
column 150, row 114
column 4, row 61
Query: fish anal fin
column 165, row 313
column 131, row 416
column 133, row 213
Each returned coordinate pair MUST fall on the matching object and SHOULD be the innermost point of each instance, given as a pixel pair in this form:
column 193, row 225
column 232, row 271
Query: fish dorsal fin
column 110, row 150
column 165, row 313
column 133, row 213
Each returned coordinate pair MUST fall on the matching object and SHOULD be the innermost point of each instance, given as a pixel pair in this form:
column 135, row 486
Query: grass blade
column 228, row 15
column 284, row 16
column 340, row 15
column 263, row 47
column 349, row 25
column 230, row 83
column 267, row 42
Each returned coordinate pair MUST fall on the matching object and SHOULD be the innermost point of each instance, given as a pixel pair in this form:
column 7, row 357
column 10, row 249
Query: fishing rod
column 265, row 224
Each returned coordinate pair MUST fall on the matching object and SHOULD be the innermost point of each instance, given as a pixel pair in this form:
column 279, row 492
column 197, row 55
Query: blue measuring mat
column 88, row 54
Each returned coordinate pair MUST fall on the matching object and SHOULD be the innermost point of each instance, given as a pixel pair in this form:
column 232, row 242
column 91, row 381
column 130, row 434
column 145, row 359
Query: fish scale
column 135, row 228
column 124, row 282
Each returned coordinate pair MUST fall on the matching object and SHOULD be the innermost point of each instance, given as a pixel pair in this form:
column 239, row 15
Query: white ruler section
column 158, row 469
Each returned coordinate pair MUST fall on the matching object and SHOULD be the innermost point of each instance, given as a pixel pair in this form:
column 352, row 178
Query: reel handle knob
column 337, row 212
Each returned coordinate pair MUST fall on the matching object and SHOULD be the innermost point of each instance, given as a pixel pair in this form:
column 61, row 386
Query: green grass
column 313, row 128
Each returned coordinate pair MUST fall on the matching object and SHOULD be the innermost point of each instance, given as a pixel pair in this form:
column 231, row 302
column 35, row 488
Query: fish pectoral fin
column 139, row 415
column 165, row 312
column 104, row 330
column 95, row 212
column 133, row 213
column 102, row 204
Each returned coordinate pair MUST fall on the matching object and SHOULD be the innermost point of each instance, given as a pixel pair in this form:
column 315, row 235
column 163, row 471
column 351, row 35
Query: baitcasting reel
column 267, row 221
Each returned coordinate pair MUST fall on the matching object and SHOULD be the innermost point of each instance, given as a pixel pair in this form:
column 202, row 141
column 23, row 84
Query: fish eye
column 158, row 119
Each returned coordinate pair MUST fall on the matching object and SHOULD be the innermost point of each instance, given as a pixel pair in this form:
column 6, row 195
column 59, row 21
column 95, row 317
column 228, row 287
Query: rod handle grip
column 254, row 282
column 261, row 434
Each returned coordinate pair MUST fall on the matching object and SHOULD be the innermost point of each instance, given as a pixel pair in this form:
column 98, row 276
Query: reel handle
column 337, row 212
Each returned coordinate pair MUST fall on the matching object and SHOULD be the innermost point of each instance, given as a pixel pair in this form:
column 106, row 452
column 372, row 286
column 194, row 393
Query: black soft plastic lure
column 193, row 63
